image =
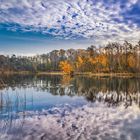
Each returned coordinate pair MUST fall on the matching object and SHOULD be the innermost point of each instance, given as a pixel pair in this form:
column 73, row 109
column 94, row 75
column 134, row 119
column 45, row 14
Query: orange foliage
column 102, row 59
column 66, row 67
column 92, row 60
column 131, row 61
column 79, row 61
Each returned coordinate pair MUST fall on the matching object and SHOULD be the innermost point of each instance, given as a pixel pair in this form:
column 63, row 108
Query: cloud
column 99, row 21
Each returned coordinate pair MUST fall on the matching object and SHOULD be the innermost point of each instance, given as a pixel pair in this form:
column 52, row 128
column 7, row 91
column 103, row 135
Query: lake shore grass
column 111, row 74
column 75, row 74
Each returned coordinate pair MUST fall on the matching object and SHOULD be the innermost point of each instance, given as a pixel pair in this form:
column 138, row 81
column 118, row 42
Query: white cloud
column 85, row 18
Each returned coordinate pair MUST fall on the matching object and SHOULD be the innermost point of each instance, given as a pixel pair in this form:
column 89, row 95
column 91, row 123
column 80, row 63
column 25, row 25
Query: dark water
column 34, row 93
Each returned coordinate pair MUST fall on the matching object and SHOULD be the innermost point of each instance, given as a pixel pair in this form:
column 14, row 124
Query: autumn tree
column 131, row 61
column 66, row 67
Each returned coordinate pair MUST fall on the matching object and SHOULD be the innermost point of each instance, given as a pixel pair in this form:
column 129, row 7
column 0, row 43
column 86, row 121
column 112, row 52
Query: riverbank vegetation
column 111, row 58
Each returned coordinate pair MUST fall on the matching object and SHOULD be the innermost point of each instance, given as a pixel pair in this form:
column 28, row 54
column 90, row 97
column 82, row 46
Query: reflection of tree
column 114, row 91
column 9, row 111
column 2, row 84
column 66, row 80
column 111, row 90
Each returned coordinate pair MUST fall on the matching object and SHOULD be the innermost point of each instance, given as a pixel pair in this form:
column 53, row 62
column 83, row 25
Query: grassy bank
column 93, row 74
column 77, row 73
column 109, row 74
column 15, row 72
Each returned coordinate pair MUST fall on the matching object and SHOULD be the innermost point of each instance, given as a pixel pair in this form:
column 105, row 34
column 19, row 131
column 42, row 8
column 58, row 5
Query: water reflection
column 20, row 94
column 114, row 91
column 111, row 90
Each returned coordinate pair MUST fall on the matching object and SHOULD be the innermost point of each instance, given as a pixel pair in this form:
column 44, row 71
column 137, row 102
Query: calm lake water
column 34, row 93
column 24, row 93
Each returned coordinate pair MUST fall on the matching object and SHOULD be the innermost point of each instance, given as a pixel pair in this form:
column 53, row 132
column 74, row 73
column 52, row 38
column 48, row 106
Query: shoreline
column 76, row 74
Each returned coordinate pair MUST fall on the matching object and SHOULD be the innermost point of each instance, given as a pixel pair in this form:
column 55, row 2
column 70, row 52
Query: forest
column 111, row 58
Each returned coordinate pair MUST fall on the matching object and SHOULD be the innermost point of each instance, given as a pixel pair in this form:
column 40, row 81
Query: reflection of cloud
column 99, row 20
column 87, row 122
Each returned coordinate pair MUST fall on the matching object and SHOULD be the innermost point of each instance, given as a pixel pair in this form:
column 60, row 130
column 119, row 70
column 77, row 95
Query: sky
column 29, row 27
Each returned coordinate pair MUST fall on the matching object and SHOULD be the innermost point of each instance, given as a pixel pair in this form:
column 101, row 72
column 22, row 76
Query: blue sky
column 30, row 27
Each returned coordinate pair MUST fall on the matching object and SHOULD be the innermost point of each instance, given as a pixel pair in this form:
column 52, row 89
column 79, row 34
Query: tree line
column 113, row 57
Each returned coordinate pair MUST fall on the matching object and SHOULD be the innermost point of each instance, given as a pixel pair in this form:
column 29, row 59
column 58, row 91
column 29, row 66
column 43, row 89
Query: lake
column 110, row 106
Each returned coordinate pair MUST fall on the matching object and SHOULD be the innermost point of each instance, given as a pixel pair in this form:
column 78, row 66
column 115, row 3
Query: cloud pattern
column 103, row 20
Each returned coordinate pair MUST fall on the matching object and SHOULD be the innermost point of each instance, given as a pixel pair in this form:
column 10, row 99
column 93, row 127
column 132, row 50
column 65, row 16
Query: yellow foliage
column 92, row 60
column 80, row 60
column 131, row 61
column 66, row 67
column 102, row 59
